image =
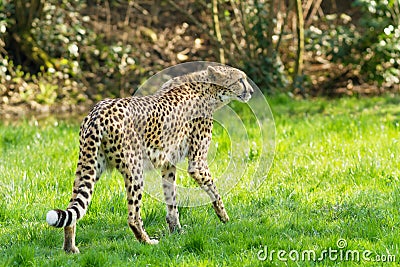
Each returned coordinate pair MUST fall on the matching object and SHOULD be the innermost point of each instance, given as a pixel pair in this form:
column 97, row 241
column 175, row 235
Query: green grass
column 335, row 176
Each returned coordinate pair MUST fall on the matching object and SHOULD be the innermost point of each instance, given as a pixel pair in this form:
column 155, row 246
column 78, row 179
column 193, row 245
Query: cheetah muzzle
column 161, row 129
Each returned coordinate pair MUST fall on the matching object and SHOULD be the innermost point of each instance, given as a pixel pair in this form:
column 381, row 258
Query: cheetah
column 159, row 130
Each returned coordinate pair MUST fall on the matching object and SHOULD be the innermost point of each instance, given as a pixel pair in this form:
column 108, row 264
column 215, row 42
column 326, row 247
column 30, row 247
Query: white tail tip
column 52, row 217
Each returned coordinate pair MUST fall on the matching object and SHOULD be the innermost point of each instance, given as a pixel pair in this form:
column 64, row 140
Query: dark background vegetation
column 66, row 54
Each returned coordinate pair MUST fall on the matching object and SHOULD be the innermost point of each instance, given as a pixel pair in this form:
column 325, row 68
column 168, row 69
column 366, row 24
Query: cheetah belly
column 171, row 155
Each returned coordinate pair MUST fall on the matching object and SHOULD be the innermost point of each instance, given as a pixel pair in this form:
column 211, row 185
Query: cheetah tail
column 62, row 218
column 90, row 139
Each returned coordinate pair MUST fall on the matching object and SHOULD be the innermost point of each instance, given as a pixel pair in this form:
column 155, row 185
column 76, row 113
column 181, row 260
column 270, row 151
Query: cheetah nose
column 245, row 96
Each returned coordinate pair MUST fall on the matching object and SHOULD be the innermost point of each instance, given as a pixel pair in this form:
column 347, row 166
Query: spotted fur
column 159, row 131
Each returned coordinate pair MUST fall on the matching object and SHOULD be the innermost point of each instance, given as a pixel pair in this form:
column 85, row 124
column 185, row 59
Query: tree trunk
column 217, row 31
column 270, row 29
column 298, row 70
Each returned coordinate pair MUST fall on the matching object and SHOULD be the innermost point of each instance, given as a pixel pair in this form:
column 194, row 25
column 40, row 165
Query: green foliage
column 248, row 41
column 56, row 56
column 26, row 77
column 373, row 50
column 380, row 40
column 336, row 42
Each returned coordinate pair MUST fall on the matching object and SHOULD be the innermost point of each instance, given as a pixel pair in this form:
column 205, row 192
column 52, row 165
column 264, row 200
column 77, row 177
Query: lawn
column 332, row 196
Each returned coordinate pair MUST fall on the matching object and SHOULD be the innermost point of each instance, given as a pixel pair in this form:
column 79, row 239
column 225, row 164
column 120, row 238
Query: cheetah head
column 234, row 81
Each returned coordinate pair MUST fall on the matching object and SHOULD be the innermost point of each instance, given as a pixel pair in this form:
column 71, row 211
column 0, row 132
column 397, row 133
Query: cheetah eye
column 240, row 80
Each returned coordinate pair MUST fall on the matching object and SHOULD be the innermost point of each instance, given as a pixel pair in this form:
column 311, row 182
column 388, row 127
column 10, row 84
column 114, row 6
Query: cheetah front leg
column 199, row 171
column 198, row 167
column 169, row 187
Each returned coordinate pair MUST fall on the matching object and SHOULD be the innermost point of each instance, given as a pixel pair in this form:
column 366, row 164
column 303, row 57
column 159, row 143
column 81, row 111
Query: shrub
column 55, row 56
column 380, row 40
column 371, row 49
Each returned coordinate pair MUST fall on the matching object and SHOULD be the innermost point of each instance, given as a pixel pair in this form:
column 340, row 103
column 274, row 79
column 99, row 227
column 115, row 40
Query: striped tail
column 62, row 218
column 86, row 176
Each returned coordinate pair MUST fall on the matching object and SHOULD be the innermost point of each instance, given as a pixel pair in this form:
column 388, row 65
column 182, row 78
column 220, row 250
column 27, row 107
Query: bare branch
column 217, row 30
column 316, row 6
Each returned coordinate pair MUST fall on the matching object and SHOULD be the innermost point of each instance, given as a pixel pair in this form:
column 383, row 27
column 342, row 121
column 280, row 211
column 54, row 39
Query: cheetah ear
column 213, row 72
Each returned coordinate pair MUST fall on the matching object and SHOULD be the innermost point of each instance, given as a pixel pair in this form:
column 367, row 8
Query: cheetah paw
column 153, row 242
column 72, row 250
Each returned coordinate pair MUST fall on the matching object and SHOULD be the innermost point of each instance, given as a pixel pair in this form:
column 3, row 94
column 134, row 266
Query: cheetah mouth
column 246, row 95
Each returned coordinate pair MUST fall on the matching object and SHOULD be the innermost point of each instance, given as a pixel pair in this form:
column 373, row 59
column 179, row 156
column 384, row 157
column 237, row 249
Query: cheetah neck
column 198, row 85
column 199, row 77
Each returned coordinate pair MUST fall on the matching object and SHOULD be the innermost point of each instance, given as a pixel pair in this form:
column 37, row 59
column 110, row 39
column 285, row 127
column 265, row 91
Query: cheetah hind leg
column 69, row 239
column 169, row 187
column 134, row 192
column 70, row 231
column 133, row 175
